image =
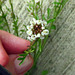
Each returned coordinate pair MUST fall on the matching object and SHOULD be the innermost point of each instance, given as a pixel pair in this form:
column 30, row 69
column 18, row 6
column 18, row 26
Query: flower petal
column 45, row 32
column 33, row 37
column 43, row 27
column 44, row 23
column 28, row 37
column 38, row 22
column 38, row 35
column 29, row 32
column 29, row 27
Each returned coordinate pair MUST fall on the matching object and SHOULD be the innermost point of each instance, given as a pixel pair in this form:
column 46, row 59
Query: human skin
column 10, row 48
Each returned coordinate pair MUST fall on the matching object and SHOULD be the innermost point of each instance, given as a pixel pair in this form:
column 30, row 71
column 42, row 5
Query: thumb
column 16, row 68
column 4, row 58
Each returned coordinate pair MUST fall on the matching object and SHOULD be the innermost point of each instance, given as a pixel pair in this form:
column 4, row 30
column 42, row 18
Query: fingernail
column 25, row 66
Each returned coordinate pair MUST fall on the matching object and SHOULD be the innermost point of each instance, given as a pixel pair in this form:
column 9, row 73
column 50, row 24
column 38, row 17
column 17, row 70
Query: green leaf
column 30, row 51
column 40, row 45
column 51, row 20
column 26, row 52
column 64, row 2
column 13, row 28
column 1, row 28
column 22, row 55
column 43, row 17
column 37, row 17
column 25, row 26
column 48, row 12
column 53, row 27
column 4, row 15
column 57, row 3
column 45, row 72
column 30, row 5
column 22, row 30
column 7, row 8
column 21, row 62
column 1, row 22
column 20, row 58
column 28, row 10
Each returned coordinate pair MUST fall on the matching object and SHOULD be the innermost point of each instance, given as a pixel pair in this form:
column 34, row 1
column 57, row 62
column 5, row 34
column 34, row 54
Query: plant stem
column 34, row 8
column 13, row 16
column 35, row 52
column 36, row 55
column 41, row 6
column 41, row 11
column 39, row 53
column 5, row 18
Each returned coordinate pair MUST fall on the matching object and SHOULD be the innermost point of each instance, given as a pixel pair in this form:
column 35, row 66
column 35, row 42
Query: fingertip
column 25, row 66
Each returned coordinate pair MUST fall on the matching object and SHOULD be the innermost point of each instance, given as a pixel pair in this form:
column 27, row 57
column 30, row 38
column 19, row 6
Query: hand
column 10, row 48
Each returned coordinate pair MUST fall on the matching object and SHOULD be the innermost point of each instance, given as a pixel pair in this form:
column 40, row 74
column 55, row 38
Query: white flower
column 29, row 32
column 38, row 35
column 33, row 37
column 33, row 22
column 29, row 27
column 43, row 27
column 44, row 23
column 34, row 19
column 37, row 29
column 28, row 37
column 45, row 32
column 38, row 22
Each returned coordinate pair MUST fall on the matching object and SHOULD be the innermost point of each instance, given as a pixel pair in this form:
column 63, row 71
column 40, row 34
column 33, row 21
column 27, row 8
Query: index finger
column 13, row 44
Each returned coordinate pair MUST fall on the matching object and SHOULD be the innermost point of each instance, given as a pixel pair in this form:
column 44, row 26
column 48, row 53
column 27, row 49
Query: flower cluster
column 37, row 29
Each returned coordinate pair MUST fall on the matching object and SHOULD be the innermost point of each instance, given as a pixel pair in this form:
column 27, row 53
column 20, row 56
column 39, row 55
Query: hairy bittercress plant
column 39, row 28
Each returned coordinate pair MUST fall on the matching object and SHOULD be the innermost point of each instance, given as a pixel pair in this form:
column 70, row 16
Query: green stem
column 41, row 6
column 38, row 53
column 5, row 18
column 65, row 1
column 41, row 12
column 35, row 52
column 34, row 8
column 13, row 16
